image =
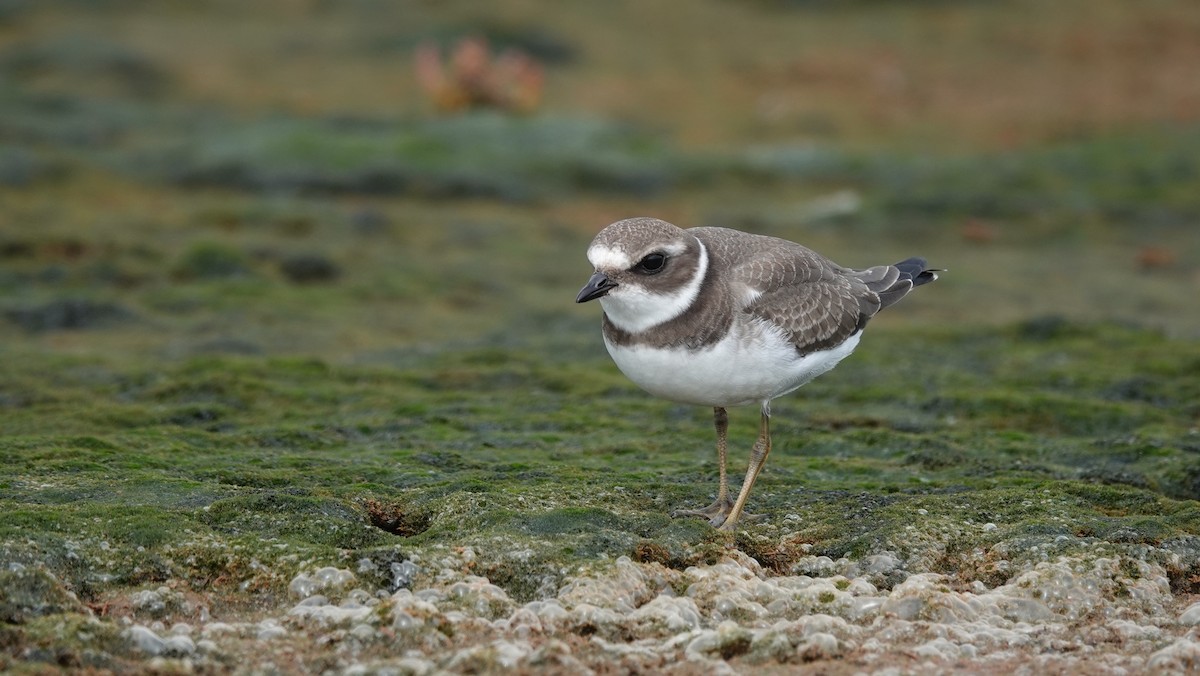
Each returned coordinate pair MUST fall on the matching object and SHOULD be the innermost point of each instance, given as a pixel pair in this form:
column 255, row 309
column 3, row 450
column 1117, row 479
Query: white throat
column 634, row 309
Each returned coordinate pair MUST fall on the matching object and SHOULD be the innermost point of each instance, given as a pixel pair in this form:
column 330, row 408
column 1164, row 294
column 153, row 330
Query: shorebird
column 719, row 317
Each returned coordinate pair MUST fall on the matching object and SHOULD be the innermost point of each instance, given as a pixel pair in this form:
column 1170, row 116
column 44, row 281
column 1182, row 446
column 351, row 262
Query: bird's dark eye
column 651, row 264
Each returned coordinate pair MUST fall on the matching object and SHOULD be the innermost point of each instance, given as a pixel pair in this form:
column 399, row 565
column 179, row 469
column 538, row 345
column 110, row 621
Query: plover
column 718, row 317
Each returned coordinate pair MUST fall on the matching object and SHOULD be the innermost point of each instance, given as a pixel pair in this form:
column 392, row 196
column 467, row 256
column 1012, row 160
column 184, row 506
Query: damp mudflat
column 284, row 388
column 955, row 496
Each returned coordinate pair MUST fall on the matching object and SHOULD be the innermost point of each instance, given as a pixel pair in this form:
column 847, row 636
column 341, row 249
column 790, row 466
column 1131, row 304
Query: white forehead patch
column 605, row 258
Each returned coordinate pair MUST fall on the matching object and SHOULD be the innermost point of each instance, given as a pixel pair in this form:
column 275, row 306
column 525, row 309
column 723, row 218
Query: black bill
column 597, row 286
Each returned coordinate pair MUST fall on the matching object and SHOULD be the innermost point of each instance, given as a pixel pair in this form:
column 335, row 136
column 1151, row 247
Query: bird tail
column 893, row 282
column 916, row 269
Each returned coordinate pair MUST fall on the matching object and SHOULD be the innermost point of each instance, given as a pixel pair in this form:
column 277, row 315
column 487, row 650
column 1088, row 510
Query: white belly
column 748, row 367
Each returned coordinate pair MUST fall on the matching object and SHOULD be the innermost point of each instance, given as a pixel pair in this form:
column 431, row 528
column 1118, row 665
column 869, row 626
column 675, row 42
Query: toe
column 715, row 513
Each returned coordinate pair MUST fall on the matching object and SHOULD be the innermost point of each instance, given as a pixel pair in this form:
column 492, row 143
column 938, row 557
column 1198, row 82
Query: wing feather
column 814, row 301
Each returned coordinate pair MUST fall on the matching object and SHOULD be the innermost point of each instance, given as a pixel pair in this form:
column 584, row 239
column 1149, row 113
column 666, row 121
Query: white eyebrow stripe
column 602, row 256
column 675, row 248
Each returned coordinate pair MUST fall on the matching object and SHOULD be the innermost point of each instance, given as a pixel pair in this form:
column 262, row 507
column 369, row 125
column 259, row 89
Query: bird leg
column 719, row 509
column 758, row 458
column 718, row 512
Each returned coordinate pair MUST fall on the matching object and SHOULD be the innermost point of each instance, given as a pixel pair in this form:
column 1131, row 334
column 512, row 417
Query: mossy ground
column 250, row 330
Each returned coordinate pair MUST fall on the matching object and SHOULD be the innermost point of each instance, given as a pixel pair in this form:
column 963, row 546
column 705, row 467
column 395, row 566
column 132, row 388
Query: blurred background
column 362, row 179
column 289, row 284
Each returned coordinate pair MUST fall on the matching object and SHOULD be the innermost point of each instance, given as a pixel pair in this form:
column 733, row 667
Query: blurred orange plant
column 472, row 79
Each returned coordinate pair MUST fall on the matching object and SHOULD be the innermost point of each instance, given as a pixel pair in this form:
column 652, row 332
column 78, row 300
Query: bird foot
column 716, row 513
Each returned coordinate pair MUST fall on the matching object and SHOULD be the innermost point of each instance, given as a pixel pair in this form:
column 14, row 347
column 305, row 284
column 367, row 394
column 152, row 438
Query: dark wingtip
column 916, row 269
column 913, row 273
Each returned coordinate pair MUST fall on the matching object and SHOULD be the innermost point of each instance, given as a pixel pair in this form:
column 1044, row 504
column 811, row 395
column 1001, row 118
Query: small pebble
column 145, row 640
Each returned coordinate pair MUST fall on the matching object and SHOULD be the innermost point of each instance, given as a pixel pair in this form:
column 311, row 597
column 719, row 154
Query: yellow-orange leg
column 717, row 512
column 758, row 458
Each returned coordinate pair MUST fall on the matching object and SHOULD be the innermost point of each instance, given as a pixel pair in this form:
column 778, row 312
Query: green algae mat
column 1020, row 482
